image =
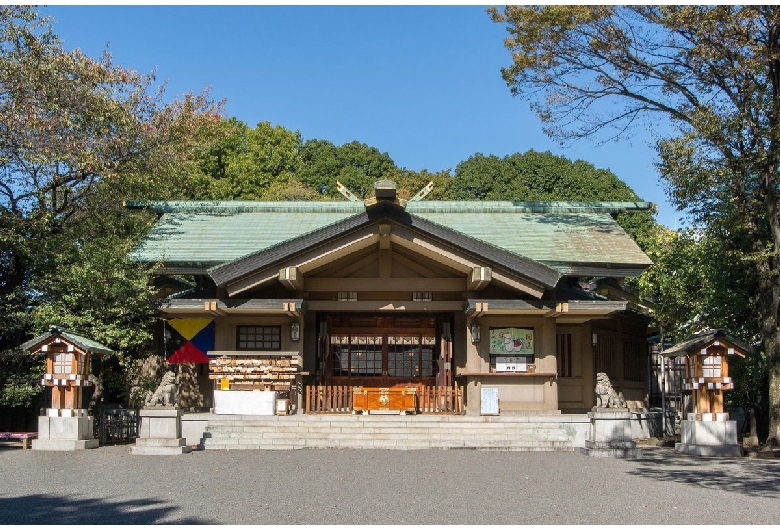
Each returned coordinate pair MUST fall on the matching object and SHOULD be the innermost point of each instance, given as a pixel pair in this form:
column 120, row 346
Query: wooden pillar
column 717, row 401
column 702, row 400
column 57, row 397
column 70, row 394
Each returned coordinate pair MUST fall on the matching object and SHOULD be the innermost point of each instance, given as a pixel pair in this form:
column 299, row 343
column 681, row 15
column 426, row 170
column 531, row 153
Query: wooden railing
column 440, row 400
column 328, row 399
column 338, row 400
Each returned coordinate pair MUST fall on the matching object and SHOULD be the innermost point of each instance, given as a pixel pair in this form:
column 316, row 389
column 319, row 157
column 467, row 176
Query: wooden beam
column 385, row 262
column 309, row 260
column 334, row 272
column 212, row 307
column 406, row 238
column 449, row 285
column 291, row 309
column 250, row 282
column 291, row 278
column 480, row 278
column 427, row 270
column 363, row 306
column 560, row 308
column 480, row 308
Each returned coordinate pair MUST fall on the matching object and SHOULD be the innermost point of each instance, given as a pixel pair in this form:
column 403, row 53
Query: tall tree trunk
column 773, row 440
column 769, row 275
column 767, row 313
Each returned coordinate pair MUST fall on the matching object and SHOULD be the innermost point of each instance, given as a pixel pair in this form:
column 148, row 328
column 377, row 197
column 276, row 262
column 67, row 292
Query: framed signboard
column 512, row 342
column 511, row 349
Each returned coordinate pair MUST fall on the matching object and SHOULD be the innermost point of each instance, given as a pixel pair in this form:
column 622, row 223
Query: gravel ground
column 111, row 486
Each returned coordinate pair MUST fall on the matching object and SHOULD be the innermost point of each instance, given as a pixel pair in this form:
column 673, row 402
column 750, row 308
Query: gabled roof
column 513, row 262
column 702, row 339
column 82, row 343
column 576, row 239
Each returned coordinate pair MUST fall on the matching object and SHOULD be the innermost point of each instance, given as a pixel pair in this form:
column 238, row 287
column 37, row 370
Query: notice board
column 489, row 401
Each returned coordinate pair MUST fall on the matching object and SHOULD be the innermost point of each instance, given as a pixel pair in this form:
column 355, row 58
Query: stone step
column 367, row 432
column 391, row 444
column 261, row 438
column 380, row 428
column 389, row 434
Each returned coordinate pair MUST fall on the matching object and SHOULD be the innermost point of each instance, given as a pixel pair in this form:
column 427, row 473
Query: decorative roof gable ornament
column 420, row 195
column 387, row 190
column 346, row 193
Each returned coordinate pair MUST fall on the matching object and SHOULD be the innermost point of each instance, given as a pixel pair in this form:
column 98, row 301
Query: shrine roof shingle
column 574, row 238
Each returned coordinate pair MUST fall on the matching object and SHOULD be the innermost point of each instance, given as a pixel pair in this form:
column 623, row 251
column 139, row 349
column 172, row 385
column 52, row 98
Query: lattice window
column 63, row 363
column 711, row 366
column 634, row 361
column 365, row 356
column 605, row 356
column 259, row 338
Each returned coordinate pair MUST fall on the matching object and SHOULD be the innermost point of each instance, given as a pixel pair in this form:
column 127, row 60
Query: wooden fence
column 328, row 399
column 440, row 400
column 338, row 400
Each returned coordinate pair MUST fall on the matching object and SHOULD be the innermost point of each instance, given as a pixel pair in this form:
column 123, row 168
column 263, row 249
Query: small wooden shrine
column 707, row 430
column 65, row 425
column 68, row 358
column 707, row 369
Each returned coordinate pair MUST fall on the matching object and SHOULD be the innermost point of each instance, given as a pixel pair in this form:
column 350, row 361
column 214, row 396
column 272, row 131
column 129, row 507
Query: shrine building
column 318, row 301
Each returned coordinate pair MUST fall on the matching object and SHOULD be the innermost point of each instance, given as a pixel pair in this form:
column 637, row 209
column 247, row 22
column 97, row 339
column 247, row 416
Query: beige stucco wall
column 515, row 392
column 225, row 331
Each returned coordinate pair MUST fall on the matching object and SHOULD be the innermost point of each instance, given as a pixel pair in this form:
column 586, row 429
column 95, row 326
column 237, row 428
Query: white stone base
column 159, row 446
column 708, row 438
column 64, row 445
column 610, row 434
column 160, row 433
column 65, row 433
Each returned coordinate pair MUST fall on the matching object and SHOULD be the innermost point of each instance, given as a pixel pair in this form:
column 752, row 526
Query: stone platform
column 516, row 432
column 610, row 434
column 65, row 433
column 708, row 438
column 160, row 433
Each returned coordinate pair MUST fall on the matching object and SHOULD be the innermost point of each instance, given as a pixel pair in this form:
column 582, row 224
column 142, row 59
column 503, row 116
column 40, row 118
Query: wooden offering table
column 396, row 400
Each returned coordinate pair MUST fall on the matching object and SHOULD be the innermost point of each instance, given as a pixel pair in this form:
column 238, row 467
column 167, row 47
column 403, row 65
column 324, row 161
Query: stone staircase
column 533, row 432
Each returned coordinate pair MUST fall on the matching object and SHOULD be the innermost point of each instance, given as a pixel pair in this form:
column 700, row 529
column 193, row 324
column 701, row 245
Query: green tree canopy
column 354, row 164
column 535, row 176
column 77, row 136
column 712, row 72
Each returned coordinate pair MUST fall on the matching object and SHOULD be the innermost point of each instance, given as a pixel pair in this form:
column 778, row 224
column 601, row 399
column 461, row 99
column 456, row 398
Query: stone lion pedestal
column 160, row 433
column 610, row 434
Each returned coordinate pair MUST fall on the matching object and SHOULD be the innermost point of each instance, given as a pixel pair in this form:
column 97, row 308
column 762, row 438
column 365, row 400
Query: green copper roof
column 574, row 238
column 83, row 343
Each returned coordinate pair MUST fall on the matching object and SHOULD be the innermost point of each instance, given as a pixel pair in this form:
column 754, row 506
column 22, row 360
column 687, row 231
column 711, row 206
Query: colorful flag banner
column 189, row 339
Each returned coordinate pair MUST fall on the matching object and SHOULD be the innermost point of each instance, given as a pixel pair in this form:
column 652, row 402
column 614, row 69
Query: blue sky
column 421, row 83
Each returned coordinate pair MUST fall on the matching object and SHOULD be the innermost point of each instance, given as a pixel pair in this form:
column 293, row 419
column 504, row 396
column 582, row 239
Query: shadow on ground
column 53, row 509
column 739, row 475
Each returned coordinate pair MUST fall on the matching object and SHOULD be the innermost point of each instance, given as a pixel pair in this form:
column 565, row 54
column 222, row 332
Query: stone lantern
column 707, row 430
column 65, row 426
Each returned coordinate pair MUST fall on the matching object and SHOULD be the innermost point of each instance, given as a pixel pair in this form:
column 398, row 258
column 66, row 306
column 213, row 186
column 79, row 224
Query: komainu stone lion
column 606, row 397
column 165, row 394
